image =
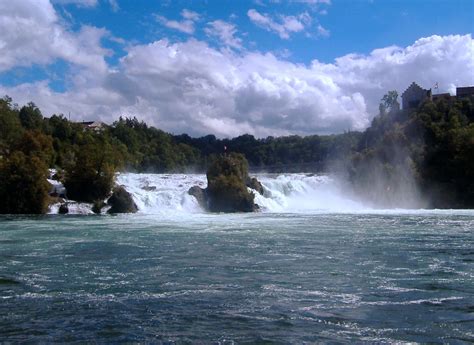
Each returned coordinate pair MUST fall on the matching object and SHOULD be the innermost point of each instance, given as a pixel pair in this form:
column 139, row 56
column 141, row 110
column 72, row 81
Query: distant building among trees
column 96, row 126
column 465, row 91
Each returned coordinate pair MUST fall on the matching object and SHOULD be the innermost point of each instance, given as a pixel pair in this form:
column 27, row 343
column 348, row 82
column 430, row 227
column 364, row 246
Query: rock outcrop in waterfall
column 227, row 182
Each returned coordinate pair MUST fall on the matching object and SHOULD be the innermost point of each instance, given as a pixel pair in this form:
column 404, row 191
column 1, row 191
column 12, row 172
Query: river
column 314, row 266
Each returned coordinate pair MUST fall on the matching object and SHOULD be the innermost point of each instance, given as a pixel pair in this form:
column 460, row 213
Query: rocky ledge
column 121, row 201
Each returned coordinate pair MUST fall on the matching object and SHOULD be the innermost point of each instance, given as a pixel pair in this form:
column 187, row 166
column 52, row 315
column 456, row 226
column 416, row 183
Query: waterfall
column 157, row 193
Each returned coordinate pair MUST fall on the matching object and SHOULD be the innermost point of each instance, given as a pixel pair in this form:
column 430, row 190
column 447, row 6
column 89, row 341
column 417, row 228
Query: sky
column 263, row 67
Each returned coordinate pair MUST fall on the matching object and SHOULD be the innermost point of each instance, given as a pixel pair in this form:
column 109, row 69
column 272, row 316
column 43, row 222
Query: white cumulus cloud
column 31, row 33
column 186, row 25
column 225, row 32
column 284, row 26
column 194, row 88
column 191, row 15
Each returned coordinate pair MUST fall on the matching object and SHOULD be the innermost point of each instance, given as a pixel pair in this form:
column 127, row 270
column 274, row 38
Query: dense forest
column 428, row 150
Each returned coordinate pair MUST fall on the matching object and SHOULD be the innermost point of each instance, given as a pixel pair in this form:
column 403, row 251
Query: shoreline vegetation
column 419, row 157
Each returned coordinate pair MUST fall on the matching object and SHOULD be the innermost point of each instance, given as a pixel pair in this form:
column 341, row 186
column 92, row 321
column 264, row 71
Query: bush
column 35, row 143
column 91, row 176
column 229, row 194
column 23, row 185
column 233, row 164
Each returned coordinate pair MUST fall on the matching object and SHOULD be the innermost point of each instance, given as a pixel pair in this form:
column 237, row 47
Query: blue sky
column 354, row 26
column 289, row 54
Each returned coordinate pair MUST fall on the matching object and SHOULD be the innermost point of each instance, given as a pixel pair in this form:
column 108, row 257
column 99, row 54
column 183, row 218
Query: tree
column 10, row 125
column 23, row 185
column 35, row 143
column 31, row 117
column 60, row 127
column 389, row 102
column 91, row 175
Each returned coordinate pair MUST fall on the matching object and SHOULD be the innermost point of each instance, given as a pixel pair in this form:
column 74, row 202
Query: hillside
column 420, row 157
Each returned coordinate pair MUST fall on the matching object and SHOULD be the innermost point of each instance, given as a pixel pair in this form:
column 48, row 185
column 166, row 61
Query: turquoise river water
column 315, row 266
column 260, row 278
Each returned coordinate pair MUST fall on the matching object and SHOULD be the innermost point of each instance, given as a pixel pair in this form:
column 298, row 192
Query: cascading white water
column 158, row 193
column 167, row 194
column 304, row 192
column 162, row 193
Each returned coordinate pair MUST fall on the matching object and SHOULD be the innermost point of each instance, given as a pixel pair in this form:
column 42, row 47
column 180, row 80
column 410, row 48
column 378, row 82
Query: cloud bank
column 194, row 88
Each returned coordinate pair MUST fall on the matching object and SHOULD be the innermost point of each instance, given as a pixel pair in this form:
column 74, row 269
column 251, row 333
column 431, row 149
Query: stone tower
column 414, row 95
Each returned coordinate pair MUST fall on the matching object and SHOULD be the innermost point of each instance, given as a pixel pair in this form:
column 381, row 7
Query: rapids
column 314, row 266
column 164, row 193
column 293, row 193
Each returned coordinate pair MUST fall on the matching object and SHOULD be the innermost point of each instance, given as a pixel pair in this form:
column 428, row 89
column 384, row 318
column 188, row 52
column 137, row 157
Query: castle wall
column 413, row 96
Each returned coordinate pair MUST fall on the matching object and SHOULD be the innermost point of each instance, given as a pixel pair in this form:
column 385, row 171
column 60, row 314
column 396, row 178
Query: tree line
column 432, row 145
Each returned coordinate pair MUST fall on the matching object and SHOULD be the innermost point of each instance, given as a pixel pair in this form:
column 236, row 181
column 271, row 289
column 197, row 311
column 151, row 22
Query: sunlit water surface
column 267, row 277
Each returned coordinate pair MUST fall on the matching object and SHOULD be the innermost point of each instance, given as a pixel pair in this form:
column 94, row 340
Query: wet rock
column 226, row 185
column 97, row 206
column 227, row 180
column 255, row 184
column 200, row 195
column 63, row 209
column 149, row 188
column 121, row 201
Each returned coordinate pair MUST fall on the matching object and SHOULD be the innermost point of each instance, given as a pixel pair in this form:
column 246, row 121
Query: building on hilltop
column 414, row 95
column 446, row 96
column 96, row 126
column 467, row 91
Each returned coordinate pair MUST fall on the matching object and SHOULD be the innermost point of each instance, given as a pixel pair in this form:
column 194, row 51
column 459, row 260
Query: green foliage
column 226, row 185
column 287, row 154
column 432, row 146
column 61, row 128
column 10, row 125
column 31, row 117
column 91, row 175
column 23, row 185
column 152, row 150
column 233, row 164
column 389, row 102
column 229, row 194
column 35, row 143
column 24, row 159
column 446, row 167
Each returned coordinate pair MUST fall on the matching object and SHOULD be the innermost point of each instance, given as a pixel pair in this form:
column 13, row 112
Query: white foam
column 304, row 192
column 161, row 193
column 73, row 208
column 167, row 194
column 56, row 187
